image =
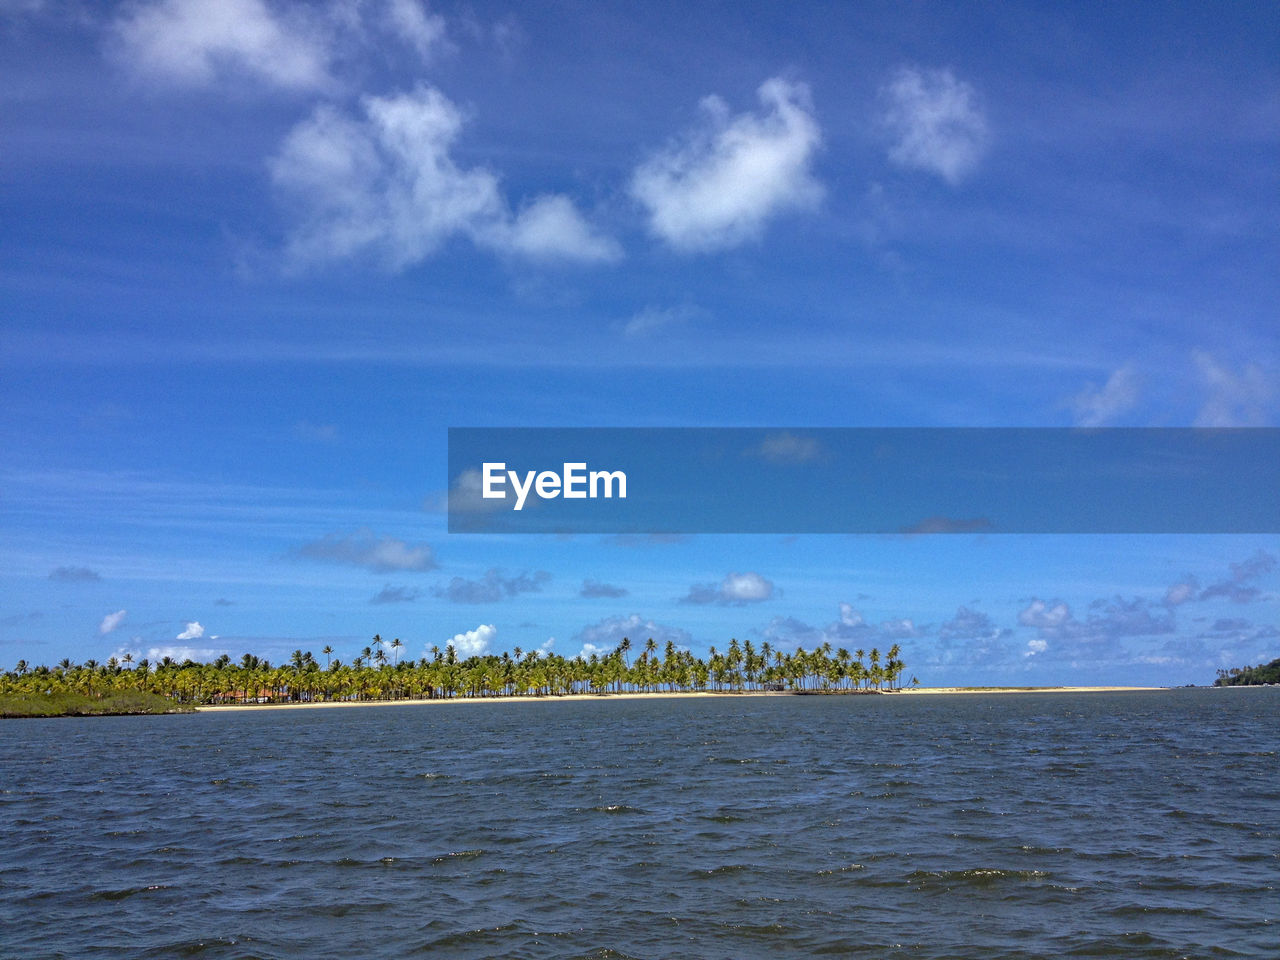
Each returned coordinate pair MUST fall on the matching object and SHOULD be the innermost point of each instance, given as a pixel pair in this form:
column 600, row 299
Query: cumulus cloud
column 390, row 594
column 74, row 575
column 466, row 495
column 721, row 185
column 412, row 22
column 786, row 447
column 735, row 590
column 1100, row 636
column 1050, row 615
column 364, row 548
column 274, row 44
column 1235, row 398
column 197, row 42
column 193, row 631
column 1095, row 405
column 473, row 643
column 383, row 183
column 492, row 587
column 605, row 636
column 935, row 121
column 111, row 621
column 970, row 624
column 550, row 228
column 593, row 589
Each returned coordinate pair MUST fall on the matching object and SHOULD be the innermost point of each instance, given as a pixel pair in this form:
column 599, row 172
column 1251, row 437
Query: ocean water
column 1126, row 825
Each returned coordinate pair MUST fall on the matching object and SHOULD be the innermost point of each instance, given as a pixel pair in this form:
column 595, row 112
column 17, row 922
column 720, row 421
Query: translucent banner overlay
column 863, row 480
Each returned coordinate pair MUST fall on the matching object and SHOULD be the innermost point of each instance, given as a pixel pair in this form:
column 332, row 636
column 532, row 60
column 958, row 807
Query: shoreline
column 655, row 695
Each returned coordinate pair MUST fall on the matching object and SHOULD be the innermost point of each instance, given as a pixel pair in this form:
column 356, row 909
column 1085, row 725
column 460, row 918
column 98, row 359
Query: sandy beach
column 656, row 695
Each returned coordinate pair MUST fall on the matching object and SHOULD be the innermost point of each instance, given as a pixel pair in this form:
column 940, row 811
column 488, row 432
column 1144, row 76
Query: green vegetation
column 67, row 704
column 373, row 675
column 1249, row 676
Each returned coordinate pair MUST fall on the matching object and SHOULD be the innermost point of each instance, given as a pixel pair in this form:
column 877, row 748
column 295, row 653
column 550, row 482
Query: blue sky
column 256, row 258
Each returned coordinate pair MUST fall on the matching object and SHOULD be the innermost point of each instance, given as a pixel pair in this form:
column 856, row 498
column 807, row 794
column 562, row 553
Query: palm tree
column 328, row 652
column 396, row 645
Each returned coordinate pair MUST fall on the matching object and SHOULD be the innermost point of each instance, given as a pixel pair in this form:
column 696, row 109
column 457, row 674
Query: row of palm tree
column 373, row 674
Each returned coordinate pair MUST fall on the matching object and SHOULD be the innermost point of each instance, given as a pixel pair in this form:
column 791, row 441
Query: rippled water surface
column 1031, row 825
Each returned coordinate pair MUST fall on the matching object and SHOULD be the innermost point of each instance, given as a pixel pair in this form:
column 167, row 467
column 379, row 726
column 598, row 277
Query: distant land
column 1249, row 676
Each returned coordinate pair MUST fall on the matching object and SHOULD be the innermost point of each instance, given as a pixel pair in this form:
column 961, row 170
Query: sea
column 994, row 827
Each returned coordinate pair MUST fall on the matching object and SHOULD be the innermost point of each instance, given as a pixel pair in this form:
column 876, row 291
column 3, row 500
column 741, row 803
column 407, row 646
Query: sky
column 257, row 258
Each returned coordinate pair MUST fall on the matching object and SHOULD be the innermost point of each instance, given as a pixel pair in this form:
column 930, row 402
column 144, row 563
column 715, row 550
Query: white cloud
column 466, row 495
column 1235, row 398
column 605, row 636
column 735, row 590
column 410, row 20
column 1036, row 646
column 196, row 42
column 385, row 185
column 111, row 621
column 550, row 228
column 935, row 121
column 193, row 632
column 1095, row 406
column 473, row 643
column 1045, row 616
column 719, row 187
column 746, row 588
column 849, row 617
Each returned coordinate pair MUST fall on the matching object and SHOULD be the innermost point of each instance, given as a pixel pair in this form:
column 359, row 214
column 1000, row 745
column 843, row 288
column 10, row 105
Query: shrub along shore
column 377, row 673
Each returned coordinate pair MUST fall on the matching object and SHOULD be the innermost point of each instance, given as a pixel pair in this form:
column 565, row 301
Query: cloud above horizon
column 193, row 631
column 111, row 621
column 735, row 590
column 849, row 630
column 390, row 594
column 935, row 122
column 594, row 589
column 382, row 183
column 492, row 587
column 1239, row 587
column 1096, row 406
column 473, row 643
column 197, row 42
column 293, row 48
column 603, row 637
column 720, row 185
column 364, row 548
column 1235, row 398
